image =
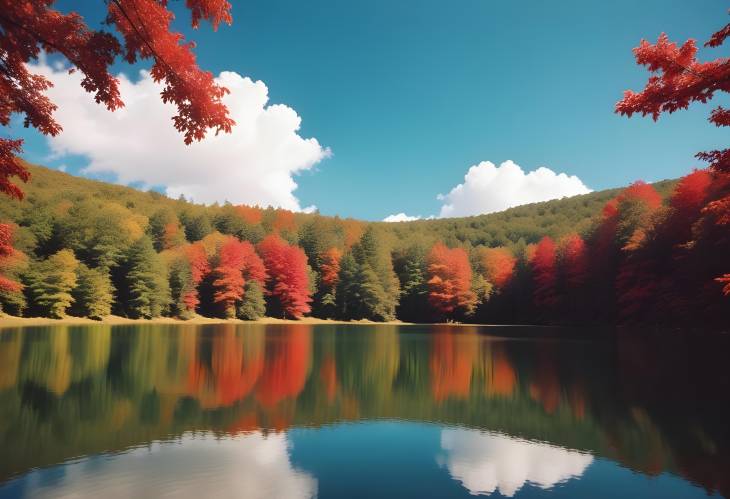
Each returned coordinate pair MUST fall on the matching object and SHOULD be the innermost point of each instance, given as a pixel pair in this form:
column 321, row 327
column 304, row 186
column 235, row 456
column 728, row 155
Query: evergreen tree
column 346, row 297
column 164, row 229
column 360, row 294
column 50, row 283
column 93, row 295
column 181, row 286
column 196, row 225
column 375, row 281
column 146, row 281
column 253, row 305
column 413, row 306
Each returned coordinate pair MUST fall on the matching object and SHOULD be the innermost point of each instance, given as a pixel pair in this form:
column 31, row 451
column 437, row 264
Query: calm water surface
column 298, row 411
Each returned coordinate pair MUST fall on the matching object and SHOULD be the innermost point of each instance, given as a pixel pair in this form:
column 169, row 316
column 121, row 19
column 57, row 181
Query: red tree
column 499, row 265
column 575, row 260
column 691, row 192
column 237, row 262
column 6, row 253
column 288, row 275
column 680, row 79
column 28, row 27
column 250, row 214
column 330, row 267
column 199, row 268
column 449, row 281
column 545, row 273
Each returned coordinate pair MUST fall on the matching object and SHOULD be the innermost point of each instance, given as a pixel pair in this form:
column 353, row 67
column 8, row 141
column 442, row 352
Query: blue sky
column 409, row 94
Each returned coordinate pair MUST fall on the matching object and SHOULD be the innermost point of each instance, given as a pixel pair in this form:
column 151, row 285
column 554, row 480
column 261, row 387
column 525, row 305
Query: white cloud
column 488, row 188
column 486, row 462
column 252, row 466
column 255, row 164
column 400, row 217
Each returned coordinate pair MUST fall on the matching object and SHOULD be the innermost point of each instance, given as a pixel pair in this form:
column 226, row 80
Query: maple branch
column 34, row 34
column 157, row 56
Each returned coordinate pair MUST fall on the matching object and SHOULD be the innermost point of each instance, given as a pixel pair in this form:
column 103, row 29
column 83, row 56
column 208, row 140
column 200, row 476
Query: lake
column 296, row 411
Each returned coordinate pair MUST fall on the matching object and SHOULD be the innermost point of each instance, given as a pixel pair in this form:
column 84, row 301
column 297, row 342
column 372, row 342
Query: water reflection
column 487, row 462
column 254, row 466
column 529, row 412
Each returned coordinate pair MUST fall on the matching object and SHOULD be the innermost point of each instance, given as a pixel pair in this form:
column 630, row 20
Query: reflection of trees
column 10, row 345
column 47, row 361
column 231, row 368
column 288, row 357
column 452, row 360
column 501, row 379
column 67, row 391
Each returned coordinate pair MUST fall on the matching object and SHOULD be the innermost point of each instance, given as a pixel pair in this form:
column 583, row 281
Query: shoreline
column 115, row 320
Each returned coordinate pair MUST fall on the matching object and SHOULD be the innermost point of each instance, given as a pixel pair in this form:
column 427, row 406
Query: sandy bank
column 12, row 321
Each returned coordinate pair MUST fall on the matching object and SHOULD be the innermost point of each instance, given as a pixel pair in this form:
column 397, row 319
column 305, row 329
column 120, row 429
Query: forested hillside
column 89, row 248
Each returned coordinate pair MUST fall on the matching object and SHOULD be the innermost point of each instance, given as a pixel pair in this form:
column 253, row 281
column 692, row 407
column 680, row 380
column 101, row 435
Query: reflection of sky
column 251, row 466
column 489, row 462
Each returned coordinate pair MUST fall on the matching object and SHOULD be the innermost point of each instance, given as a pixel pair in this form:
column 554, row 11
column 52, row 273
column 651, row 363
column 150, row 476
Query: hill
column 529, row 222
column 89, row 248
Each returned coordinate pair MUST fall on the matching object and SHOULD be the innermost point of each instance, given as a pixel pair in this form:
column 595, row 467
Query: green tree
column 145, row 280
column 93, row 295
column 100, row 232
column 50, row 283
column 378, row 284
column 413, row 305
column 253, row 305
column 196, row 224
column 164, row 229
column 180, row 278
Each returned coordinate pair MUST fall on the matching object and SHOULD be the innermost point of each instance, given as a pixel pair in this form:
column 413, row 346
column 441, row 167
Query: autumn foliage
column 544, row 268
column 237, row 262
column 330, row 267
column 30, row 26
column 449, row 281
column 6, row 254
column 679, row 79
column 574, row 258
column 199, row 268
column 288, row 278
column 499, row 265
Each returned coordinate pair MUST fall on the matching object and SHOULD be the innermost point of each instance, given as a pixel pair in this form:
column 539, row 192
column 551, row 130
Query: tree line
column 642, row 258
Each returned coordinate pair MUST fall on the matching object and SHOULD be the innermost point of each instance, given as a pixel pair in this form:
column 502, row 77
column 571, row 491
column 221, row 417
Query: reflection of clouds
column 486, row 462
column 250, row 466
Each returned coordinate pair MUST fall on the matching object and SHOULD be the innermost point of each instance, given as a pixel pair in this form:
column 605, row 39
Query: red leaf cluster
column 28, row 27
column 499, row 266
column 10, row 166
column 6, row 253
column 237, row 262
column 288, row 277
column 725, row 280
column 250, row 214
column 199, row 268
column 330, row 267
column 449, row 280
column 544, row 270
column 574, row 257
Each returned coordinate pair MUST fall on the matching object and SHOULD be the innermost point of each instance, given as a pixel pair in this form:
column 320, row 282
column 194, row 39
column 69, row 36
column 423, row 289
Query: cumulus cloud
column 486, row 462
column 255, row 164
column 488, row 188
column 252, row 466
column 400, row 217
